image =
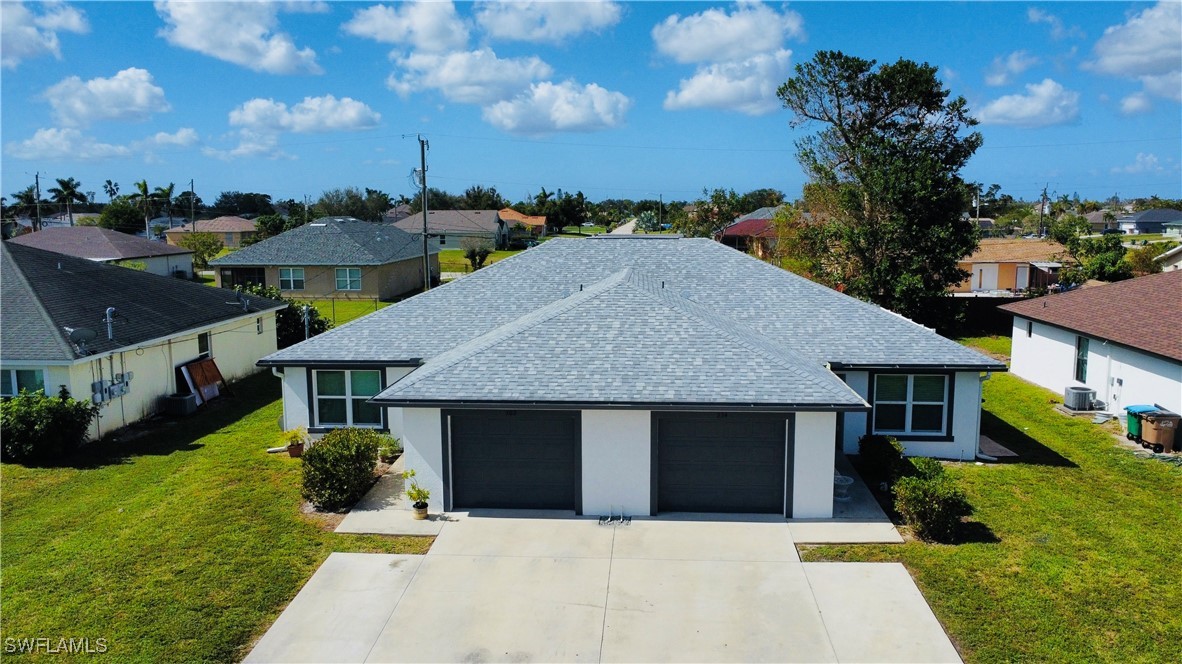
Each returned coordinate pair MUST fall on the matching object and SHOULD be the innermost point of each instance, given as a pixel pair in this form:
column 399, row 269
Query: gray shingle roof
column 99, row 244
column 43, row 293
column 332, row 241
column 748, row 299
column 454, row 222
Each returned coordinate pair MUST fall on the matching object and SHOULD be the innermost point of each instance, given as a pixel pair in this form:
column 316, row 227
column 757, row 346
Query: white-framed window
column 340, row 398
column 203, row 344
column 348, row 278
column 911, row 404
column 12, row 381
column 291, row 278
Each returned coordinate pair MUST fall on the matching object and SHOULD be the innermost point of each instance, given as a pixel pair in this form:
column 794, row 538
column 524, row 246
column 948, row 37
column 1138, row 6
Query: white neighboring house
column 53, row 332
column 638, row 374
column 1123, row 340
column 107, row 246
column 1171, row 260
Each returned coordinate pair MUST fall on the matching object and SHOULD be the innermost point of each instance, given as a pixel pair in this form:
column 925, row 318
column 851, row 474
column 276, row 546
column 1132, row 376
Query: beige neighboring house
column 451, row 226
column 333, row 257
column 55, row 334
column 107, row 246
column 1171, row 260
column 232, row 231
column 1002, row 266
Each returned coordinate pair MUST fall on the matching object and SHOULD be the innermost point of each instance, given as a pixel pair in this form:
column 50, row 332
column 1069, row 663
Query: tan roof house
column 535, row 223
column 232, row 231
column 1002, row 266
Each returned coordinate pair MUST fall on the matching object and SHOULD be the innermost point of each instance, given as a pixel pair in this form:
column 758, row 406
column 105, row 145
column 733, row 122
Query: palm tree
column 25, row 203
column 165, row 197
column 67, row 193
column 112, row 189
column 144, row 199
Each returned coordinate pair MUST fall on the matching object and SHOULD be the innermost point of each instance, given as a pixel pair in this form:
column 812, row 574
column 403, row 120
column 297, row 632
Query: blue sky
column 618, row 100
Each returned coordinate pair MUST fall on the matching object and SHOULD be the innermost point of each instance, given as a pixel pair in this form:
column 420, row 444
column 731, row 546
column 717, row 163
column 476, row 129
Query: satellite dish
column 82, row 335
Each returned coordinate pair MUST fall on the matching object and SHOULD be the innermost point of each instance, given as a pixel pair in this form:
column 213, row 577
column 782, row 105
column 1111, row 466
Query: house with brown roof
column 450, row 226
column 1003, row 266
column 104, row 245
column 1122, row 340
column 536, row 224
column 232, row 231
column 754, row 232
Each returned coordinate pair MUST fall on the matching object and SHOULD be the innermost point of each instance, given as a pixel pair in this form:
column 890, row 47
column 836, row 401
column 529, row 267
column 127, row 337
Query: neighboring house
column 333, row 257
column 754, row 232
column 535, row 223
column 54, row 333
column 1123, row 340
column 1172, row 228
column 400, row 211
column 622, row 373
column 450, row 226
column 1148, row 221
column 1003, row 266
column 1171, row 260
column 1098, row 220
column 232, row 231
column 108, row 246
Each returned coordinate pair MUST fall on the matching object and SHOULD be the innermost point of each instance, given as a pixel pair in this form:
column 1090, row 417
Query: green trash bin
column 1136, row 412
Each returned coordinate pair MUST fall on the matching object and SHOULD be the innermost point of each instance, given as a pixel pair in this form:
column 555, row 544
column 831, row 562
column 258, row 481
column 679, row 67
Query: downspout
column 981, row 456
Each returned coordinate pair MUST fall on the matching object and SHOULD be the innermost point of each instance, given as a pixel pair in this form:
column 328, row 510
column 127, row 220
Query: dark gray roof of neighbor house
column 1156, row 215
column 747, row 299
column 332, row 241
column 454, row 222
column 44, row 295
column 97, row 244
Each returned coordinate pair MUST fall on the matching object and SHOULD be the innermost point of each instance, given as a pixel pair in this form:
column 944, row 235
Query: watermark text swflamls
column 46, row 645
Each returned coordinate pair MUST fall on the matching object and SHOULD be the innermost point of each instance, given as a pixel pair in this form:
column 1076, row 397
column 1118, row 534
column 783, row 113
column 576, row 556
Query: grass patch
column 996, row 345
column 579, row 231
column 452, row 260
column 182, row 545
column 1083, row 539
column 342, row 311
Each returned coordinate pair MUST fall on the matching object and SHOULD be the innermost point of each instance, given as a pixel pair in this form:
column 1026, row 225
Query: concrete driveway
column 568, row 590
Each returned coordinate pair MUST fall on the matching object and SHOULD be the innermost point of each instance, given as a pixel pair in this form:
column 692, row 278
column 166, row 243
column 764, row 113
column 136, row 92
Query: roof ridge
column 41, row 310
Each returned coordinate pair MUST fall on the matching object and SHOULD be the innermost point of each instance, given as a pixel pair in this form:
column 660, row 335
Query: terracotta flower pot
column 295, row 450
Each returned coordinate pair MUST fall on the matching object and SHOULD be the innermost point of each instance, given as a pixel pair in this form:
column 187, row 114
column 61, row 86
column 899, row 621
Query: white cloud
column 1148, row 47
column 25, row 35
column 748, row 86
column 1002, row 71
column 470, row 77
column 1135, row 103
column 128, row 95
column 250, row 144
column 243, row 33
column 432, row 27
column 548, row 107
column 312, row 115
column 714, row 35
column 1044, row 104
column 545, row 21
column 1144, row 163
column 67, row 143
column 1058, row 29
column 181, row 138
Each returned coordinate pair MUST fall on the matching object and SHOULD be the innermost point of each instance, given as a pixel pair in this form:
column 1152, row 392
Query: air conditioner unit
column 1079, row 398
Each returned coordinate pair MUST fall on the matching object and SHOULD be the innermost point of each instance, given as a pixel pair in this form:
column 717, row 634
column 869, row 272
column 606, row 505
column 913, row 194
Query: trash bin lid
column 1141, row 408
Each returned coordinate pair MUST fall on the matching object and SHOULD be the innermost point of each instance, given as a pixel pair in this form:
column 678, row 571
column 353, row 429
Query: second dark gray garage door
column 515, row 459
column 720, row 462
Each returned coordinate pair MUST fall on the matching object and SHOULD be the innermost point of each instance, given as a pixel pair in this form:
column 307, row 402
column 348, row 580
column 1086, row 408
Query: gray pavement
column 497, row 588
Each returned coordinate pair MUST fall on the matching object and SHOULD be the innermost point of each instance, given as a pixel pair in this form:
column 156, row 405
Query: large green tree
column 885, row 163
column 66, row 193
column 145, row 200
column 122, row 216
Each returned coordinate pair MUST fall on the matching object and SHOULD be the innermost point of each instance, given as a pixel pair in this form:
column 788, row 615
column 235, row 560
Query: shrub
column 933, row 507
column 339, row 468
column 34, row 427
column 883, row 457
column 926, row 469
column 389, row 446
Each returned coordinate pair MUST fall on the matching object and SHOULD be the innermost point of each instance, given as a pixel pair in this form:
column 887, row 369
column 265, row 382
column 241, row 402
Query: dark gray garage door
column 515, row 459
column 720, row 462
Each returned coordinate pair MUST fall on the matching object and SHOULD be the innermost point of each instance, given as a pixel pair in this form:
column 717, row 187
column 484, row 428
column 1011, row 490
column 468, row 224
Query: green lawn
column 583, row 230
column 452, row 260
column 343, row 311
column 182, row 545
column 995, row 344
column 1077, row 543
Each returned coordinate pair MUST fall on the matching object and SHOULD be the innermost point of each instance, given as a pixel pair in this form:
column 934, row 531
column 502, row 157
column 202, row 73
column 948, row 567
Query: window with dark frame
column 911, row 404
column 291, row 278
column 348, row 278
column 12, row 381
column 203, row 344
column 1081, row 359
column 341, row 397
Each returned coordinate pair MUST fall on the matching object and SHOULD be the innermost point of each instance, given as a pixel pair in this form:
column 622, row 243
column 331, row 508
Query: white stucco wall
column 812, row 465
column 1120, row 376
column 617, row 461
column 395, row 416
column 966, row 420
column 295, row 398
column 423, row 450
column 166, row 265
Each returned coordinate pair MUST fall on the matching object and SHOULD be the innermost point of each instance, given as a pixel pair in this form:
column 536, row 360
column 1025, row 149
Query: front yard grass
column 341, row 311
column 452, row 260
column 1077, row 546
column 182, row 545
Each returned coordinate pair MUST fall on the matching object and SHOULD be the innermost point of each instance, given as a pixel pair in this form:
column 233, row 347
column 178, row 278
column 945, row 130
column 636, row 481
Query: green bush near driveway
column 338, row 469
column 932, row 505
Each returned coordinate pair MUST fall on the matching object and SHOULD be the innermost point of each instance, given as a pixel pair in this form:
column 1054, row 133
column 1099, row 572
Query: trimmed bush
column 37, row 428
column 883, row 457
column 339, row 468
column 933, row 507
column 926, row 469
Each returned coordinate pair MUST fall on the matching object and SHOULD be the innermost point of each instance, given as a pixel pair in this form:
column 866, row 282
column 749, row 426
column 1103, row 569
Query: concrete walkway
column 385, row 510
column 624, row 229
column 567, row 590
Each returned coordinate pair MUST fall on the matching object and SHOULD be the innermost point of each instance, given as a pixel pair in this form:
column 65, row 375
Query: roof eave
column 869, row 366
column 623, row 405
column 340, row 364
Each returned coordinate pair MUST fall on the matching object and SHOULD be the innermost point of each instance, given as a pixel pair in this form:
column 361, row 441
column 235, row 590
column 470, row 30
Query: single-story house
column 1123, row 340
column 535, row 223
column 1172, row 229
column 1171, row 260
column 108, row 246
column 450, row 226
column 1148, row 221
column 1098, row 220
column 1004, row 266
column 621, row 373
column 123, row 338
column 753, row 232
column 232, row 231
column 333, row 257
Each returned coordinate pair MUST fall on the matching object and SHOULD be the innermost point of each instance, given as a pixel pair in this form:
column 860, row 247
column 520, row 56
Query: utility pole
column 305, row 208
column 192, row 206
column 37, row 180
column 423, row 180
column 1042, row 206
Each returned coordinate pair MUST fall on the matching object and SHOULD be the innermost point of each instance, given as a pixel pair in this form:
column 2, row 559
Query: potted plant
column 418, row 495
column 389, row 449
column 295, row 440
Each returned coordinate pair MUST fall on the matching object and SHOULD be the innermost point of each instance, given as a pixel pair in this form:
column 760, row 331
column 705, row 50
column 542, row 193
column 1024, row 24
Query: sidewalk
column 385, row 510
